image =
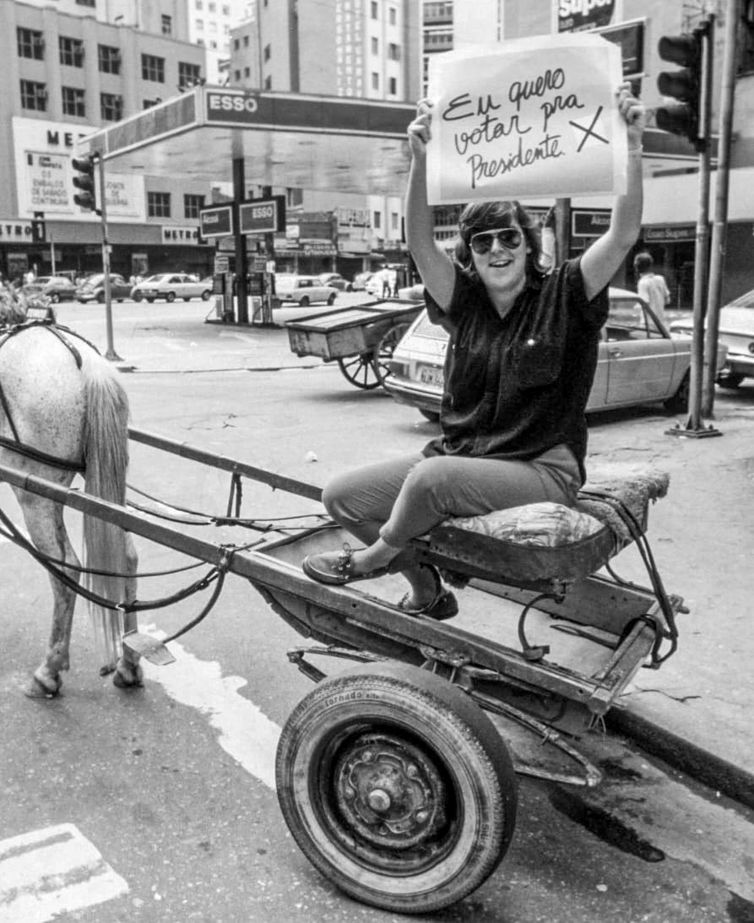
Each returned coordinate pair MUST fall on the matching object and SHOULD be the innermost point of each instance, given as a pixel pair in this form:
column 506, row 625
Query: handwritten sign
column 534, row 118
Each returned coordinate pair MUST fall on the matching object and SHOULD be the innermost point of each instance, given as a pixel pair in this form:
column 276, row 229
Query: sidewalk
column 694, row 712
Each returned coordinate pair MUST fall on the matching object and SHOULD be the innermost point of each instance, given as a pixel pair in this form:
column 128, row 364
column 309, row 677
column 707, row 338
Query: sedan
column 639, row 362
column 335, row 280
column 172, row 285
column 302, row 290
column 56, row 288
column 93, row 288
column 736, row 331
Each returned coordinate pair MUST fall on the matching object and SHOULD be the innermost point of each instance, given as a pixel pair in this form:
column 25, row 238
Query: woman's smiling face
column 502, row 264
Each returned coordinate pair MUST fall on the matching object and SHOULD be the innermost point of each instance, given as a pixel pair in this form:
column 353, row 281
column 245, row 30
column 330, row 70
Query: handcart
column 360, row 338
column 397, row 775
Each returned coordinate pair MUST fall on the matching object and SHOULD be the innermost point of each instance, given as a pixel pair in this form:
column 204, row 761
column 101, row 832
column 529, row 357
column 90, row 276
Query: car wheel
column 729, row 380
column 206, row 295
column 304, row 301
column 331, row 298
column 150, row 300
column 679, row 402
column 54, row 297
column 101, row 297
column 170, row 297
column 137, row 296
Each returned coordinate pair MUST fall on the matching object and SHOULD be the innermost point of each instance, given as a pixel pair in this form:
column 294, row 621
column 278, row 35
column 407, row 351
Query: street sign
column 262, row 216
column 216, row 221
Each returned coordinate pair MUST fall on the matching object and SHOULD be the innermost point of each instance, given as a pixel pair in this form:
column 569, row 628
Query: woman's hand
column 634, row 115
column 420, row 130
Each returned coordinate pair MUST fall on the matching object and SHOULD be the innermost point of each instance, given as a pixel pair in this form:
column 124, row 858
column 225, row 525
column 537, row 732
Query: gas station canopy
column 285, row 140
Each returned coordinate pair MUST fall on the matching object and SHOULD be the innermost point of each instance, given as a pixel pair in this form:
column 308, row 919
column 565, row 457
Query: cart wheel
column 385, row 349
column 396, row 787
column 359, row 370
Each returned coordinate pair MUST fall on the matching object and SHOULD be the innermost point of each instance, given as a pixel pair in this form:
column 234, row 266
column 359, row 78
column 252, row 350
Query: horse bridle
column 15, row 444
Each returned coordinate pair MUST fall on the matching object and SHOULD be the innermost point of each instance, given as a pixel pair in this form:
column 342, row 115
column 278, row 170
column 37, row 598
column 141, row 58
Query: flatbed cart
column 396, row 775
column 360, row 338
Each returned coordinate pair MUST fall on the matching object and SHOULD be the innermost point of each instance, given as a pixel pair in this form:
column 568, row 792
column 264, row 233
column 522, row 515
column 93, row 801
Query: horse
column 63, row 410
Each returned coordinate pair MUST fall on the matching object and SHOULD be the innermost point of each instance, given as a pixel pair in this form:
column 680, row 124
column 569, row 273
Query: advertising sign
column 216, row 221
column 535, row 118
column 574, row 15
column 262, row 216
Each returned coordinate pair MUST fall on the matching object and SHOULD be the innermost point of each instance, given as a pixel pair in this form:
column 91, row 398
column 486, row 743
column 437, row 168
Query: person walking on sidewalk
column 651, row 285
column 519, row 368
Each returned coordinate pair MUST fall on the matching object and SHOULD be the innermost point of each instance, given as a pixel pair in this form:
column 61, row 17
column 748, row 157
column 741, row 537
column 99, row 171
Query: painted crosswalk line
column 50, row 872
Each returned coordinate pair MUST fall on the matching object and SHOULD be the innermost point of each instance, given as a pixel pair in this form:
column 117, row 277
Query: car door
column 640, row 356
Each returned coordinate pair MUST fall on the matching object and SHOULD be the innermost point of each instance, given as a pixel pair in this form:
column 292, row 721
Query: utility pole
column 110, row 353
column 719, row 227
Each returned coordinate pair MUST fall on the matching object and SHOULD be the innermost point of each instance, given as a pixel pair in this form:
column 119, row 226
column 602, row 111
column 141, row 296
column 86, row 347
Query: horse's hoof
column 107, row 669
column 126, row 677
column 36, row 689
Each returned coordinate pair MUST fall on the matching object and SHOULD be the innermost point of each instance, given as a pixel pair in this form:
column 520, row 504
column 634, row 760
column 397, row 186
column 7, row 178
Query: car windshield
column 93, row 280
column 425, row 328
column 743, row 301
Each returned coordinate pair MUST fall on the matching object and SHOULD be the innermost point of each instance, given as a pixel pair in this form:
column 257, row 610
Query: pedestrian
column 385, row 280
column 522, row 357
column 651, row 285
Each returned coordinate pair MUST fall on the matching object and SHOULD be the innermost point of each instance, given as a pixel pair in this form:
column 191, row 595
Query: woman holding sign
column 522, row 356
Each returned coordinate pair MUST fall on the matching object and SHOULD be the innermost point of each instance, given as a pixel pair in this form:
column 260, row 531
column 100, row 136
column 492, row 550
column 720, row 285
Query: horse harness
column 15, row 444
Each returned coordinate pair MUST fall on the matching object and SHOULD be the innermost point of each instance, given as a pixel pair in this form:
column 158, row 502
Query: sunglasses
column 510, row 238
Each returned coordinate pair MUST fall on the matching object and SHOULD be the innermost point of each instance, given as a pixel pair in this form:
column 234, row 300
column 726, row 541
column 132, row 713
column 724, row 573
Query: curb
column 127, row 368
column 689, row 758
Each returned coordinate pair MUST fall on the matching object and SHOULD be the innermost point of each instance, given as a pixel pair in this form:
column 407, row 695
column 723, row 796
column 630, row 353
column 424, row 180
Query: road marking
column 246, row 734
column 50, row 872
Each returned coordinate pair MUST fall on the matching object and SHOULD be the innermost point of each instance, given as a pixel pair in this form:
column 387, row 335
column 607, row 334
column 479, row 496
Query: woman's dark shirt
column 516, row 387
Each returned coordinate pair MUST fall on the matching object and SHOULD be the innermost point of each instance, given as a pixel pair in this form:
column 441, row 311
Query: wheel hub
column 389, row 791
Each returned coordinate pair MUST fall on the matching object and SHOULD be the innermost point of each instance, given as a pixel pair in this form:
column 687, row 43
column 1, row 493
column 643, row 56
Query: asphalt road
column 159, row 805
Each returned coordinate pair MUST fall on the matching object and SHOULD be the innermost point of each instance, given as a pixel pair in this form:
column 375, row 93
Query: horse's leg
column 128, row 672
column 44, row 521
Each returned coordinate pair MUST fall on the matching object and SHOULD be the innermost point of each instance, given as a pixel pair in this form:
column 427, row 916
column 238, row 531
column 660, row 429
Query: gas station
column 216, row 134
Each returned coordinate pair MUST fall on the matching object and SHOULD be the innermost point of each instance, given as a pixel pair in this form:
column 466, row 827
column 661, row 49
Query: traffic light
column 685, row 117
column 85, row 180
column 38, row 232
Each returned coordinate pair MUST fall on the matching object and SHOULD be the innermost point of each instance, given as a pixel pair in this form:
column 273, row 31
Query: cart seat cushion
column 613, row 491
column 546, row 525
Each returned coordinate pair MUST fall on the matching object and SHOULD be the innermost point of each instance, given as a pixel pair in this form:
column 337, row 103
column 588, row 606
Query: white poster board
column 532, row 118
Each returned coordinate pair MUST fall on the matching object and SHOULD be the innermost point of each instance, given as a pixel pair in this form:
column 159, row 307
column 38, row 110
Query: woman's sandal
column 443, row 606
column 336, row 567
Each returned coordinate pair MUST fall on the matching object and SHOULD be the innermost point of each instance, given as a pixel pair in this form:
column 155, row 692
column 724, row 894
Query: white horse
column 61, row 399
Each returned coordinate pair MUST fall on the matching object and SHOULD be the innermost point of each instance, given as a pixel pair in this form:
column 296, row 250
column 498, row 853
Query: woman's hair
column 487, row 216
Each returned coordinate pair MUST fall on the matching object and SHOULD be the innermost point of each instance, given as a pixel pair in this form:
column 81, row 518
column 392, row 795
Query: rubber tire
column 432, row 415
column 150, row 300
column 101, row 298
column 54, row 298
column 438, row 720
column 206, row 295
column 187, row 299
column 170, row 297
column 331, row 298
column 679, row 402
column 137, row 296
column 729, row 381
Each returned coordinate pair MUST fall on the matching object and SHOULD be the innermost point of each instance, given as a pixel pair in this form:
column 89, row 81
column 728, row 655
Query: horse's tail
column 105, row 442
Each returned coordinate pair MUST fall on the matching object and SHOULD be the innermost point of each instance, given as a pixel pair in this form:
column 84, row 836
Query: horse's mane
column 14, row 305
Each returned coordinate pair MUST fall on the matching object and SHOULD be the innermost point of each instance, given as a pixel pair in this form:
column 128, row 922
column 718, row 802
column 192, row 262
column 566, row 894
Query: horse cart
column 361, row 338
column 397, row 775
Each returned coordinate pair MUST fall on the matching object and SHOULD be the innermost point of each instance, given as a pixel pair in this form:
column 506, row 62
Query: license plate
column 431, row 375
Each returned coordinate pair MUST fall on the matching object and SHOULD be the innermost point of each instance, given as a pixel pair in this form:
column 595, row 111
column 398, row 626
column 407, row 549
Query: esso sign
column 260, row 212
column 231, row 104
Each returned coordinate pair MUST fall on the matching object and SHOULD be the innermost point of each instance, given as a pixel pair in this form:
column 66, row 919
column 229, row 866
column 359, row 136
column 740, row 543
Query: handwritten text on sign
column 537, row 118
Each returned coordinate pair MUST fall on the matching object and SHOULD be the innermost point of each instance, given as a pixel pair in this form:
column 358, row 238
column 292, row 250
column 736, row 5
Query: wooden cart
column 361, row 338
column 396, row 776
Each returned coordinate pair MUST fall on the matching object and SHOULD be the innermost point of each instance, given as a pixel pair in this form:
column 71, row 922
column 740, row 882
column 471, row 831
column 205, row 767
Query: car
column 172, row 285
column 413, row 293
column 92, row 288
column 360, row 281
column 56, row 288
column 639, row 362
column 335, row 280
column 736, row 332
column 302, row 290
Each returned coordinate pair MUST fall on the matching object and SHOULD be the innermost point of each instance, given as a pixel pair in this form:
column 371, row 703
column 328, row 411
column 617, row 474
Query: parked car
column 360, row 281
column 412, row 293
column 639, row 362
column 56, row 288
column 172, row 285
column 335, row 280
column 302, row 290
column 736, row 332
column 92, row 288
